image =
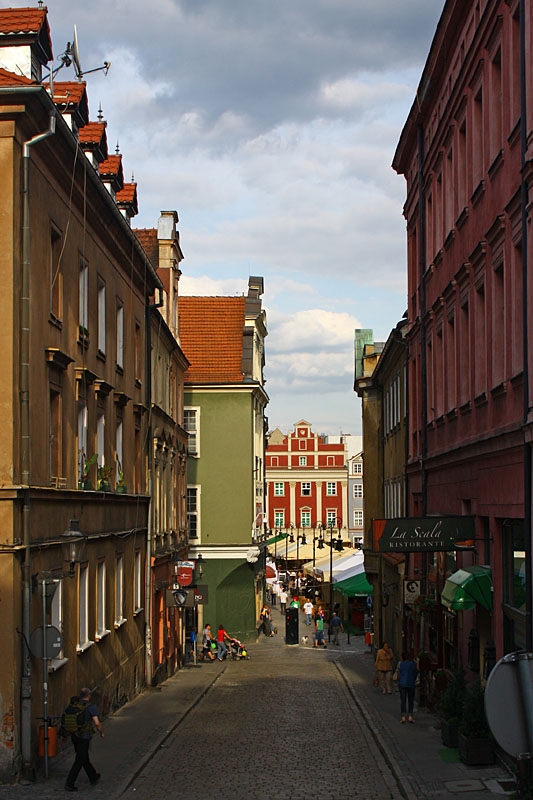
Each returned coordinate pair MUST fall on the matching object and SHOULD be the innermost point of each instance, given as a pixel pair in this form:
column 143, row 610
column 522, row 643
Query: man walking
column 283, row 600
column 308, row 610
column 87, row 721
column 335, row 625
column 384, row 660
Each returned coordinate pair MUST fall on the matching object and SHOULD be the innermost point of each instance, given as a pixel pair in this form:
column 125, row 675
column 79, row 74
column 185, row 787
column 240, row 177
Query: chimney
column 166, row 225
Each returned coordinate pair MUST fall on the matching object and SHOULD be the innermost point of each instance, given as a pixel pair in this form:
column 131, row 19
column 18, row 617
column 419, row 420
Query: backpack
column 74, row 718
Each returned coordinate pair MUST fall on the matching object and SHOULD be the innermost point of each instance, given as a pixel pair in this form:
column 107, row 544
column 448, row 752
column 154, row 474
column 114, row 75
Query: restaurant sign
column 423, row 534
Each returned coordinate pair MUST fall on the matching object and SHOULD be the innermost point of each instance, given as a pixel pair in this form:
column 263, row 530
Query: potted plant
column 120, row 487
column 104, row 473
column 451, row 708
column 475, row 742
column 84, row 481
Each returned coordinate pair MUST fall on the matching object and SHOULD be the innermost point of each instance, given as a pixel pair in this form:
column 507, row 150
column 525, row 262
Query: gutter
column 25, row 442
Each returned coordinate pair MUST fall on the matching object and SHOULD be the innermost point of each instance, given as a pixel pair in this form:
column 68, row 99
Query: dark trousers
column 407, row 698
column 81, row 748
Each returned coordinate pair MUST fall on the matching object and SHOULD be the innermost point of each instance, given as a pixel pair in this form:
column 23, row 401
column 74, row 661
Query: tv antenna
column 71, row 56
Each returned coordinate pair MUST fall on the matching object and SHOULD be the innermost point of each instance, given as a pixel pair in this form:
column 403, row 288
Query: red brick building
column 306, row 479
column 464, row 152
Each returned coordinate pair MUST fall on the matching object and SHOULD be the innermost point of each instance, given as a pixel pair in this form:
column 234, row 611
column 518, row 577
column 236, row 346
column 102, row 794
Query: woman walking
column 384, row 660
column 407, row 682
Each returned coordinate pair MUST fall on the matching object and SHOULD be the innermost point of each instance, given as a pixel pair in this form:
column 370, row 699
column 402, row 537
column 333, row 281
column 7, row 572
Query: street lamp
column 199, row 570
column 338, row 545
column 73, row 543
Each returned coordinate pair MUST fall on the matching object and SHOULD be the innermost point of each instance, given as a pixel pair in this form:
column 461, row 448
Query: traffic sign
column 508, row 703
column 53, row 642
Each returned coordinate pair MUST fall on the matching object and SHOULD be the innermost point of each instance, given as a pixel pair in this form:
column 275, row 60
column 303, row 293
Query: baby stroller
column 237, row 650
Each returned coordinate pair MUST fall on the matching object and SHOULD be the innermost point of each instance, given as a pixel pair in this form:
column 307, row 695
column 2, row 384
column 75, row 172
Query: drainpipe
column 528, row 533
column 24, row 366
column 148, row 570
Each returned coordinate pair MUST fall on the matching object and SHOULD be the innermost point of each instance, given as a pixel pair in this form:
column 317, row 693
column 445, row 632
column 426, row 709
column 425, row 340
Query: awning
column 466, row 587
column 322, row 563
column 270, row 572
column 354, row 586
column 278, row 538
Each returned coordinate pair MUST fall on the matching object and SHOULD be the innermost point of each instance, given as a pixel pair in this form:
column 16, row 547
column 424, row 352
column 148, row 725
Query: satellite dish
column 76, row 55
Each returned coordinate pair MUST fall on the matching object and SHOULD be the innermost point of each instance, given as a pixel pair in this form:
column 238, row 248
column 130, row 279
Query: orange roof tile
column 12, row 79
column 111, row 166
column 128, row 193
column 211, row 331
column 68, row 93
column 148, row 241
column 92, row 133
column 27, row 22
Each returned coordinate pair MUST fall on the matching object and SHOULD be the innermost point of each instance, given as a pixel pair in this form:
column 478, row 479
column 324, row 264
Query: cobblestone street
column 281, row 723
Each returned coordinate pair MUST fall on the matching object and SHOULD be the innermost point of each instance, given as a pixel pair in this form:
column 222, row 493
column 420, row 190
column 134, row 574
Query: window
column 191, row 420
column 119, row 469
column 138, row 351
column 274, row 461
column 305, row 518
column 119, row 591
column 357, row 469
column 514, row 565
column 358, row 490
column 330, row 461
column 331, row 517
column 477, row 139
column 55, row 274
column 100, row 438
column 303, row 445
column 83, row 306
column 302, row 461
column 192, row 511
column 306, row 490
column 279, row 519
column 82, row 439
column 54, row 433
column 56, row 617
column 137, row 583
column 331, row 488
column 358, row 519
column 279, row 489
column 83, row 609
column 101, row 627
column 120, row 336
column 101, row 316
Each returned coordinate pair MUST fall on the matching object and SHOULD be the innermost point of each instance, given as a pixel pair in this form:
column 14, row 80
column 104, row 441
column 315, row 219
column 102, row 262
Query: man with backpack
column 79, row 720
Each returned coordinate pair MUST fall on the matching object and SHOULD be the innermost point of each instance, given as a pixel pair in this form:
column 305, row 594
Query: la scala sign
column 423, row 534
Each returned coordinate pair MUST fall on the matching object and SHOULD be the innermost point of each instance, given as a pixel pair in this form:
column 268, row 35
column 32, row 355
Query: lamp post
column 73, row 543
column 199, row 570
column 339, row 547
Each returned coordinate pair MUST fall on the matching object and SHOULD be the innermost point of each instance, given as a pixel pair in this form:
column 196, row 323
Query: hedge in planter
column 451, row 708
column 475, row 742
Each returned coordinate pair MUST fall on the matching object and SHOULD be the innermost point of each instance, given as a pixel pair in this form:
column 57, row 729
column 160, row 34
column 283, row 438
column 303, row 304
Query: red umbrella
column 270, row 572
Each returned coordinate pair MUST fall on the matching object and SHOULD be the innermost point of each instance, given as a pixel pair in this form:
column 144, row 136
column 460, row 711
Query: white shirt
column 283, row 597
column 308, row 607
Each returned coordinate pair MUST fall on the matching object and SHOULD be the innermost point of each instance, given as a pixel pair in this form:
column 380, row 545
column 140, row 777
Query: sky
column 270, row 126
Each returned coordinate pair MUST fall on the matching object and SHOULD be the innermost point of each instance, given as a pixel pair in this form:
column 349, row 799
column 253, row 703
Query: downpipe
column 24, row 366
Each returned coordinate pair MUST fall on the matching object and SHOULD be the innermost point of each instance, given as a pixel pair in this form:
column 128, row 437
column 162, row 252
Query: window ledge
column 497, row 162
column 514, row 136
column 498, row 390
column 102, row 635
column 119, row 369
column 465, row 408
column 119, row 623
column 100, row 354
column 138, row 611
column 480, row 399
column 478, row 192
column 53, row 320
column 56, row 663
column 81, row 648
column 462, row 218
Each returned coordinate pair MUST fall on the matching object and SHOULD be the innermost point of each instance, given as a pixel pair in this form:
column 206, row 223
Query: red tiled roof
column 111, row 166
column 148, row 241
column 128, row 193
column 27, row 22
column 12, row 79
column 92, row 133
column 211, row 330
column 68, row 93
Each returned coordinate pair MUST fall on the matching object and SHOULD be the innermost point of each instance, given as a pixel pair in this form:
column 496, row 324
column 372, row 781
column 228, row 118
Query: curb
column 404, row 783
column 157, row 744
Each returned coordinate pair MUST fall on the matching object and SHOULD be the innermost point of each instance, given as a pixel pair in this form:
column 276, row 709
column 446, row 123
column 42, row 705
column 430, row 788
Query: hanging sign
column 423, row 534
column 411, row 591
column 184, row 570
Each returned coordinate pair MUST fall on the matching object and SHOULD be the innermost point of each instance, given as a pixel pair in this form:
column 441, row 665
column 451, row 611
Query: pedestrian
column 384, row 660
column 319, row 631
column 207, row 639
column 335, row 626
column 283, row 596
column 194, row 642
column 308, row 610
column 221, row 644
column 266, row 621
column 81, row 739
column 407, row 674
column 295, row 602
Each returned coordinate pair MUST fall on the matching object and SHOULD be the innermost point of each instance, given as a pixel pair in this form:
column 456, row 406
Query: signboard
column 182, row 598
column 201, row 594
column 423, row 534
column 53, row 642
column 411, row 591
column 184, row 570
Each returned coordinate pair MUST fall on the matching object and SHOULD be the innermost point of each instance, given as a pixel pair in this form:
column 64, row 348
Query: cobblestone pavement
column 283, row 724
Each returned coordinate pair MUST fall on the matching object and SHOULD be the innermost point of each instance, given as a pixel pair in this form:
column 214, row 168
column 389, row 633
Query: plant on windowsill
column 120, row 487
column 451, row 708
column 475, row 743
column 84, row 481
column 83, row 335
column 104, row 473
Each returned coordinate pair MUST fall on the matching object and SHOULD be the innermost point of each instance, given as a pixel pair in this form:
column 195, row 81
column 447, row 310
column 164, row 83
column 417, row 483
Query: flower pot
column 475, row 752
column 85, row 485
column 121, row 489
column 104, row 486
column 449, row 732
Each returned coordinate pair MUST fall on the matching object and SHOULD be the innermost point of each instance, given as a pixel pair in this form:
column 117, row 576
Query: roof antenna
column 72, row 53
